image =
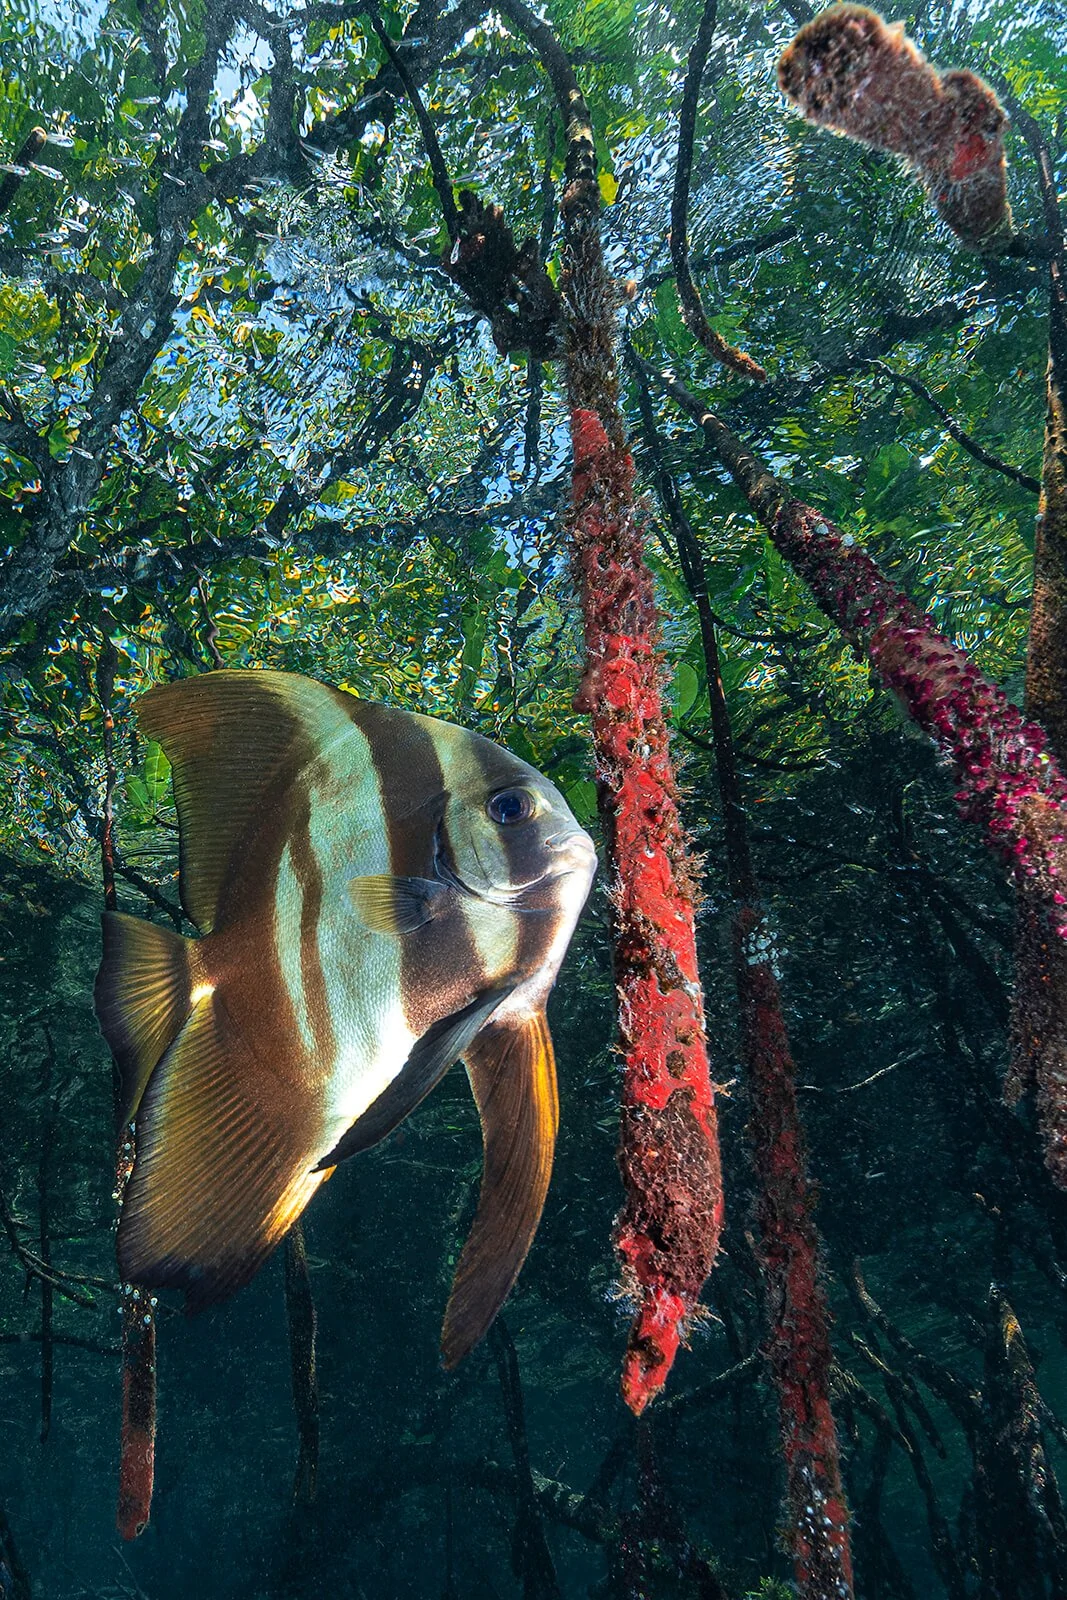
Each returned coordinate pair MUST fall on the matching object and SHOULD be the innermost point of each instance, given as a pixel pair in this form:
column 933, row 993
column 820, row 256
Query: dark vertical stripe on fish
column 439, row 962
column 309, row 877
column 534, row 931
column 260, row 1002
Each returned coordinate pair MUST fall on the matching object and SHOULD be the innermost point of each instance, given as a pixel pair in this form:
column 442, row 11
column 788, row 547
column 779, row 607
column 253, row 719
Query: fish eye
column 510, row 806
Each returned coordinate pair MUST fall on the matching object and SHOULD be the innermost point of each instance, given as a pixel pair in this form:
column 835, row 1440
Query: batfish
column 378, row 894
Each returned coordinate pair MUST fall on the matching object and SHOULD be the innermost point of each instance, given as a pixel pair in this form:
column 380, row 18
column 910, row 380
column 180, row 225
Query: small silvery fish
column 378, row 894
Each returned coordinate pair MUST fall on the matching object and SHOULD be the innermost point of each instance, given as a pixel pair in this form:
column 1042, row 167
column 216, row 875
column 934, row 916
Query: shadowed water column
column 668, row 1232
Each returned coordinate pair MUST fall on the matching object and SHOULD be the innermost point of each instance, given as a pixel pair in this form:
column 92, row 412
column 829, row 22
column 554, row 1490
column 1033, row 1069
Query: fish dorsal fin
column 430, row 1058
column 231, row 736
column 513, row 1074
column 224, row 1153
column 142, row 997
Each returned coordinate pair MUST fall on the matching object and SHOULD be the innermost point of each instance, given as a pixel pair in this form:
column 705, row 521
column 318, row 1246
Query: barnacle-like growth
column 849, row 70
column 668, row 1233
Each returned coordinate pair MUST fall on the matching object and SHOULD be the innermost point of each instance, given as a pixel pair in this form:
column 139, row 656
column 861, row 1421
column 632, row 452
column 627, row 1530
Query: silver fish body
column 378, row 893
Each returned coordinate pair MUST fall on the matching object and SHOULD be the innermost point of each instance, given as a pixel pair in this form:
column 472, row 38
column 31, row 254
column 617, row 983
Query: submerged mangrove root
column 798, row 1337
column 137, row 1449
column 848, row 70
column 1015, row 1482
column 50, row 1102
column 531, row 1557
column 1046, row 665
column 1009, row 782
column 668, row 1233
column 1039, row 998
column 16, row 1580
column 137, row 1459
column 798, row 1334
column 654, row 1545
column 505, row 281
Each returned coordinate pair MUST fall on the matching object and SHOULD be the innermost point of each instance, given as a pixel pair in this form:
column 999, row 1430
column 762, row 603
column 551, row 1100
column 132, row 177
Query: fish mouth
column 573, row 844
column 577, row 857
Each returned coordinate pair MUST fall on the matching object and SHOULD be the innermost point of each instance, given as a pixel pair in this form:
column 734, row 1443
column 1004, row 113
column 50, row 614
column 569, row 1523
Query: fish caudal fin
column 513, row 1074
column 142, row 997
column 222, row 1168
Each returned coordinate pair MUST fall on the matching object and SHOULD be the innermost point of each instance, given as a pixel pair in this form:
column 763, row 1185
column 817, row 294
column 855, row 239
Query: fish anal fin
column 397, row 905
column 223, row 1164
column 513, row 1075
column 229, row 736
column 429, row 1060
column 142, row 997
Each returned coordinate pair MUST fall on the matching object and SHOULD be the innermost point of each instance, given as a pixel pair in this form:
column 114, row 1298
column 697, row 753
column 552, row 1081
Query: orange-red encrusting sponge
column 849, row 70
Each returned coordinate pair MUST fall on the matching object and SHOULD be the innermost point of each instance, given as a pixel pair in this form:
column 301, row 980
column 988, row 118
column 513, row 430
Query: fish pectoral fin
column 430, row 1058
column 513, row 1074
column 397, row 905
column 222, row 1166
column 142, row 997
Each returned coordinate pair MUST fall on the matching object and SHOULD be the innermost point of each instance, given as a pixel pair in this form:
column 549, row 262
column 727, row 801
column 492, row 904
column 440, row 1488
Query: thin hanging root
column 302, row 1323
column 693, row 313
column 138, row 1449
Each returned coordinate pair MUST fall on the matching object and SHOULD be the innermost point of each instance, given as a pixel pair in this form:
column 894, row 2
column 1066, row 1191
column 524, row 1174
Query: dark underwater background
column 926, row 1182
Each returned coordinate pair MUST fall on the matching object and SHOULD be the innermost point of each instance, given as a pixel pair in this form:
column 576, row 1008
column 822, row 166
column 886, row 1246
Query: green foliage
column 149, row 789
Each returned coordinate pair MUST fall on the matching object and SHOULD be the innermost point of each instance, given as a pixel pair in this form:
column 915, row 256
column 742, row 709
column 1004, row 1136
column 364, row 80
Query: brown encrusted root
column 506, row 281
column 839, row 66
column 849, row 70
column 675, row 1183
